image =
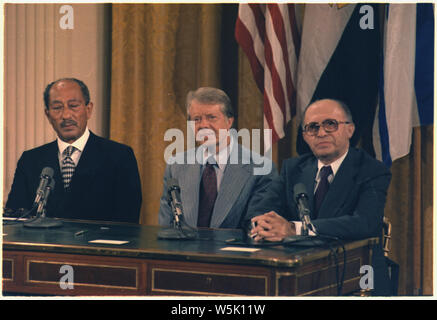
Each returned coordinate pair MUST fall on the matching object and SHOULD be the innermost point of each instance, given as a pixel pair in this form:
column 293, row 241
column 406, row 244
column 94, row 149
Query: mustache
column 66, row 123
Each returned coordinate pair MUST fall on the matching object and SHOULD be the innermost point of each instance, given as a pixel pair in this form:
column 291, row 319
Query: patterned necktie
column 67, row 166
column 207, row 195
column 322, row 189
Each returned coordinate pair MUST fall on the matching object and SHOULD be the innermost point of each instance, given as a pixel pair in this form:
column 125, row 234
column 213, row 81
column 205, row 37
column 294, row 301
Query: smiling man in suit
column 346, row 188
column 217, row 186
column 95, row 178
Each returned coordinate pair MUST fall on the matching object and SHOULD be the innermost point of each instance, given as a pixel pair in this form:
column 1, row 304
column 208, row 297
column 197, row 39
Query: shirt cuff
column 298, row 226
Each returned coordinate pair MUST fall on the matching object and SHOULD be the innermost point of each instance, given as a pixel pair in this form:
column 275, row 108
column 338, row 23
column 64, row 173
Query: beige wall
column 37, row 51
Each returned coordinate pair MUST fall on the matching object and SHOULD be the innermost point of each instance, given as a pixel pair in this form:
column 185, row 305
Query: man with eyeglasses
column 346, row 188
column 95, row 178
column 217, row 187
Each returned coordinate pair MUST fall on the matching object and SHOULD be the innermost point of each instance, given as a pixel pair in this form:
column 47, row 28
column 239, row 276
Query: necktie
column 67, row 166
column 207, row 195
column 322, row 188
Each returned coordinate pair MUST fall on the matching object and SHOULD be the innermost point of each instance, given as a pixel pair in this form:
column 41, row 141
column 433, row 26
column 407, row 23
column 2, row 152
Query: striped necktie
column 68, row 166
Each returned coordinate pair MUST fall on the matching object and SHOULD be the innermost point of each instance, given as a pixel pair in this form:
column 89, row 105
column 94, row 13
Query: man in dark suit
column 346, row 188
column 216, row 187
column 95, row 178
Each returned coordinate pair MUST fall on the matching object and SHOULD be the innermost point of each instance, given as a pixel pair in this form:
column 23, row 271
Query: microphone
column 45, row 177
column 47, row 190
column 174, row 193
column 41, row 221
column 301, row 198
column 180, row 229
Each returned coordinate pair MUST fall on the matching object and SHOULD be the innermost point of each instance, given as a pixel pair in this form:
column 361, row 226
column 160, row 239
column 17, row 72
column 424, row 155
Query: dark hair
column 83, row 88
column 208, row 95
column 342, row 105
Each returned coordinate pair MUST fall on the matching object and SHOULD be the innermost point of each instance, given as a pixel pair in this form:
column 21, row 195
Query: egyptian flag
column 406, row 86
column 339, row 59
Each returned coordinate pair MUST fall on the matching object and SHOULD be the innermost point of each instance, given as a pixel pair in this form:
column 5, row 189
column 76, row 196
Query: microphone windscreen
column 47, row 171
column 299, row 189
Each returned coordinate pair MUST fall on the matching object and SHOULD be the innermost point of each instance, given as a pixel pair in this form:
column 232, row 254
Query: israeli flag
column 406, row 86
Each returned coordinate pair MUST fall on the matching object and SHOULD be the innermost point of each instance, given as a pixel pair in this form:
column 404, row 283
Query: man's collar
column 334, row 165
column 78, row 144
column 220, row 158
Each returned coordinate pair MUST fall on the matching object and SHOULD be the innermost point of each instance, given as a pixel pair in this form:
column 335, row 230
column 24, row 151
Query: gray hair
column 208, row 95
column 341, row 104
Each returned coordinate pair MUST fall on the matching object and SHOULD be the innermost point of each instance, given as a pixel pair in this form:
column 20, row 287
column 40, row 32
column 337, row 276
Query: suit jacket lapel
column 233, row 181
column 308, row 177
column 90, row 159
column 337, row 193
column 189, row 177
column 52, row 161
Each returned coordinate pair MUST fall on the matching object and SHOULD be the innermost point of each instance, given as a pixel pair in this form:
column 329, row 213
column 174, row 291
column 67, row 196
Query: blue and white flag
column 406, row 86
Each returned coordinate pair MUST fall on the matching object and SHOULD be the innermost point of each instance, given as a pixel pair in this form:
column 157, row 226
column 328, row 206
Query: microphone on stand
column 180, row 229
column 43, row 201
column 45, row 177
column 301, row 198
column 174, row 200
column 41, row 221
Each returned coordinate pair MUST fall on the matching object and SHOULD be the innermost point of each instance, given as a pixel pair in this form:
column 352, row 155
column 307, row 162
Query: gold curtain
column 410, row 210
column 161, row 51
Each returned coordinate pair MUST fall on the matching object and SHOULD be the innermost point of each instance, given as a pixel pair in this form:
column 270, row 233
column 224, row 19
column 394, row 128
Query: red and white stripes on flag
column 268, row 35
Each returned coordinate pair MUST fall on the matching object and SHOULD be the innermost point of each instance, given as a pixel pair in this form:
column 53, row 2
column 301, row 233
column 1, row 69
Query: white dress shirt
column 79, row 144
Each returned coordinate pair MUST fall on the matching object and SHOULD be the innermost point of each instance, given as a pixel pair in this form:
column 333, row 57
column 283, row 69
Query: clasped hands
column 271, row 227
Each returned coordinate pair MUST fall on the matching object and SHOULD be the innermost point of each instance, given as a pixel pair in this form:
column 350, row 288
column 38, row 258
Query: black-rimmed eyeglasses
column 329, row 125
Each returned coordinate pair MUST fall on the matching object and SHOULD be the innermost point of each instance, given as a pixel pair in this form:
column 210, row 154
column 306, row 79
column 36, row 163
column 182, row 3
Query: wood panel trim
column 66, row 262
column 12, row 270
column 154, row 289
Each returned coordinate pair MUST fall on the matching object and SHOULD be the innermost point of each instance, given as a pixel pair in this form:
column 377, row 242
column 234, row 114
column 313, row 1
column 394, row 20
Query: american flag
column 268, row 35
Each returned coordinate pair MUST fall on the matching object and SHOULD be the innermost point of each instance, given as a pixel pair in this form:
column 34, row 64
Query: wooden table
column 58, row 262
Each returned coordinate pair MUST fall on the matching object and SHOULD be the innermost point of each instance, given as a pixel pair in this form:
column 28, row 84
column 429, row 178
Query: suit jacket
column 353, row 208
column 105, row 184
column 236, row 189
